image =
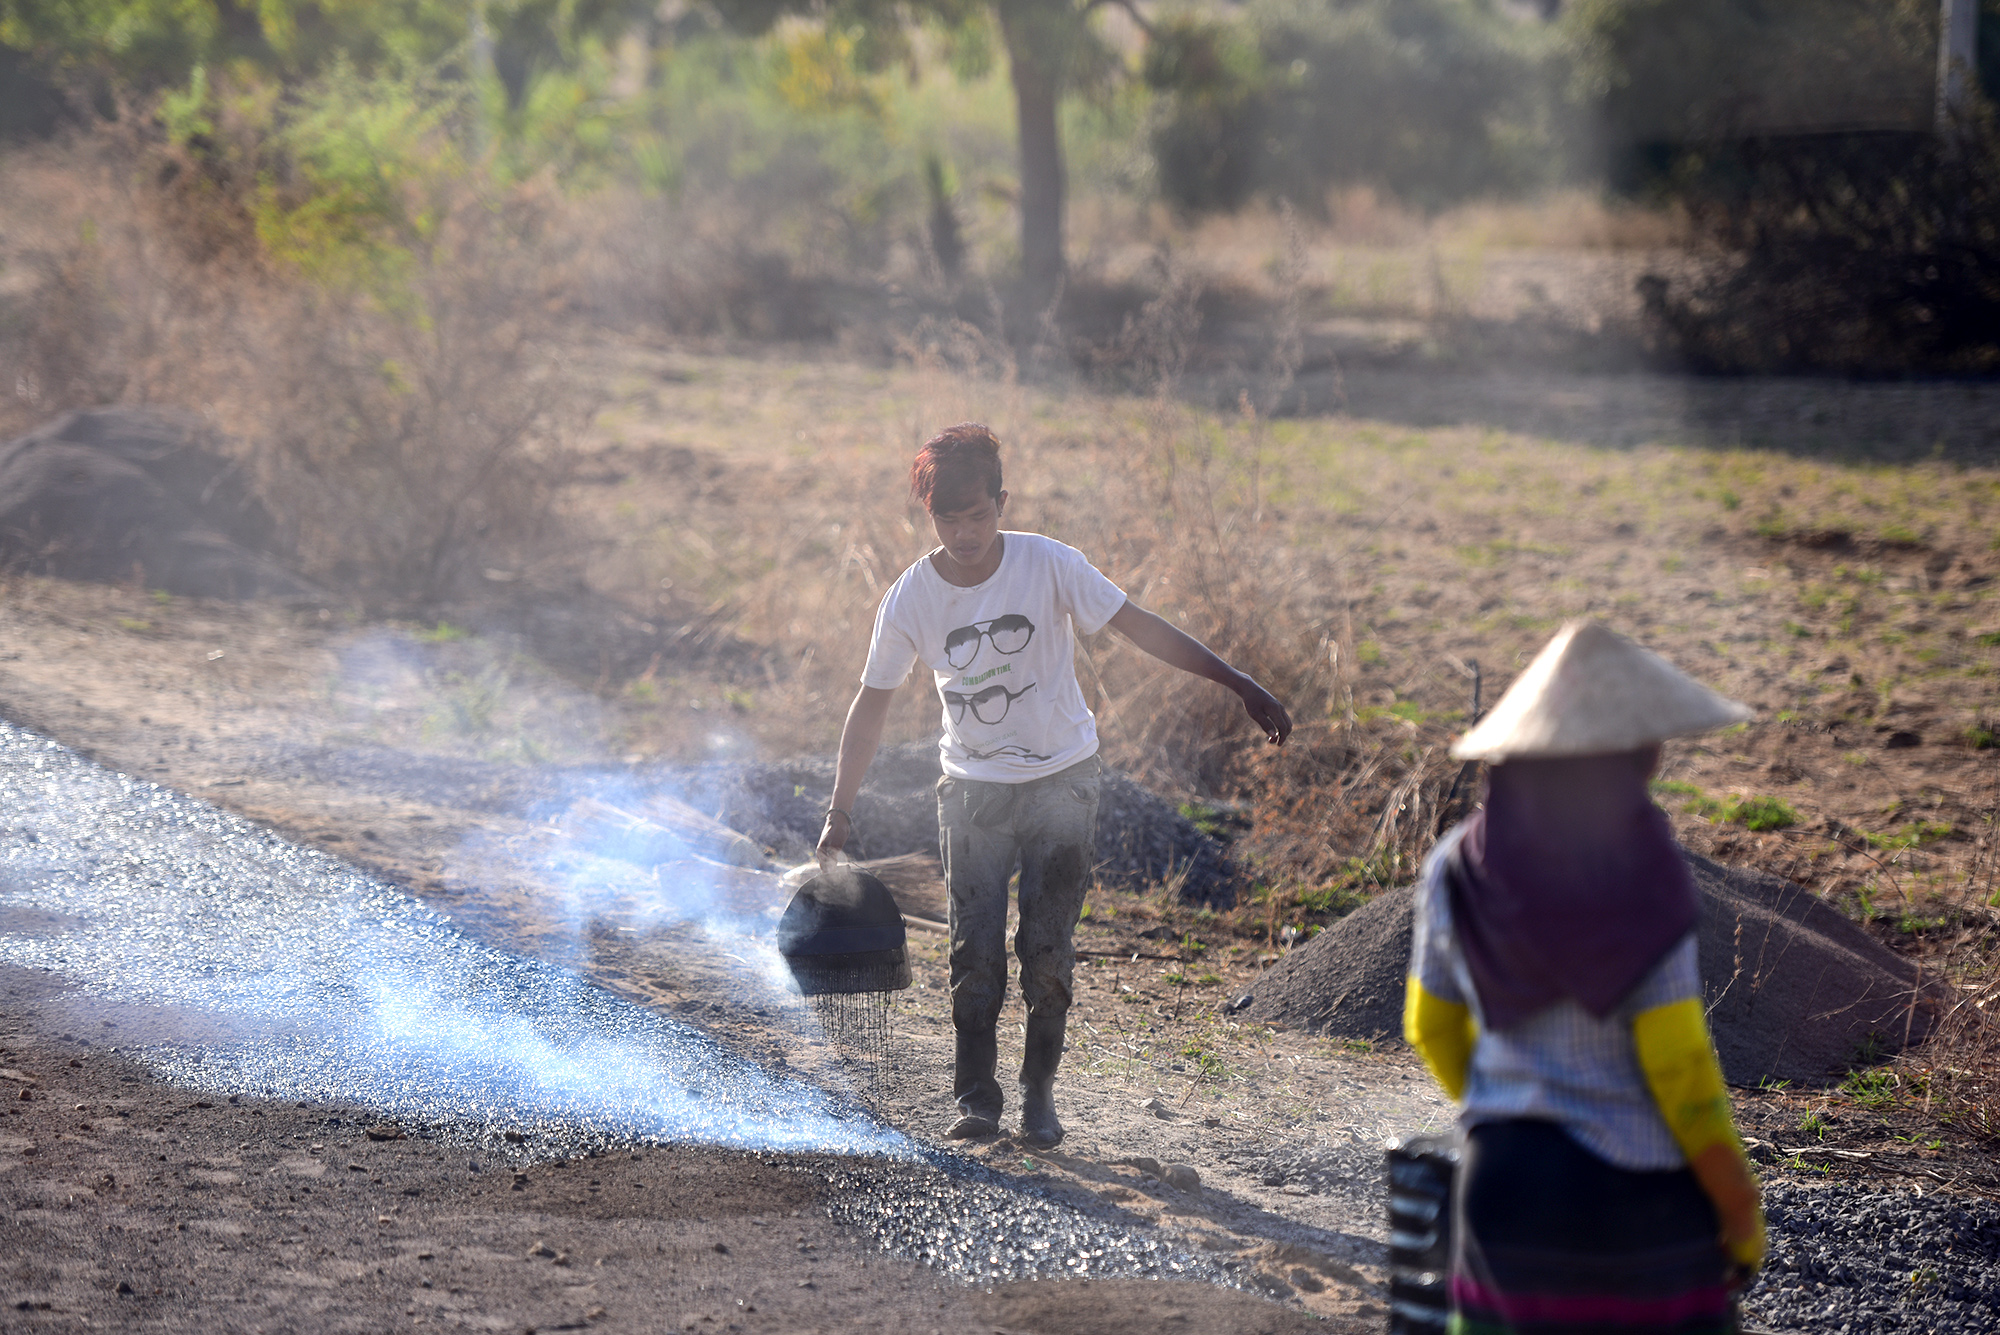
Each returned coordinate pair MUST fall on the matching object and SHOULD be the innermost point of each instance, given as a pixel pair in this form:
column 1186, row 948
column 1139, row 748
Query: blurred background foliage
column 852, row 137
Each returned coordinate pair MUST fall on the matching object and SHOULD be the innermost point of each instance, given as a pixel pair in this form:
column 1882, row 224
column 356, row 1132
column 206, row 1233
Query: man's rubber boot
column 1040, row 1056
column 975, row 1086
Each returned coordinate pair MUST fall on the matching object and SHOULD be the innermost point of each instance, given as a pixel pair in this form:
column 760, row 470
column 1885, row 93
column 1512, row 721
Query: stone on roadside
column 1158, row 1107
column 1182, row 1177
column 541, row 1249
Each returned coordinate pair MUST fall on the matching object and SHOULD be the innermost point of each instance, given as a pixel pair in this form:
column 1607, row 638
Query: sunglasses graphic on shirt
column 988, row 706
column 1009, row 634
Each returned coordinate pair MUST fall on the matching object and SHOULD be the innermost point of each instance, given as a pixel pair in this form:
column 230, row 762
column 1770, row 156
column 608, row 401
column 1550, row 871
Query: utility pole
column 1958, row 57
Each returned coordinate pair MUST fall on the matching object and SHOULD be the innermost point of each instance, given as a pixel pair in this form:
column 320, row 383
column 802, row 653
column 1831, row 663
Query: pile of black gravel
column 1846, row 1260
column 1141, row 838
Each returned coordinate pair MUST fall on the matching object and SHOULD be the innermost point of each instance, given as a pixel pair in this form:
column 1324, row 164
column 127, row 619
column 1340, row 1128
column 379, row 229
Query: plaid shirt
column 1563, row 1064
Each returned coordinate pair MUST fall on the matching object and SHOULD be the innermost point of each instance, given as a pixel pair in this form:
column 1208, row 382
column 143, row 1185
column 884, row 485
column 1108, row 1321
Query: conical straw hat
column 1591, row 691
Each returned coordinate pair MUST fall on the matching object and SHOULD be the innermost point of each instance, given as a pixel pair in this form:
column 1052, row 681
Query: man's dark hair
column 954, row 465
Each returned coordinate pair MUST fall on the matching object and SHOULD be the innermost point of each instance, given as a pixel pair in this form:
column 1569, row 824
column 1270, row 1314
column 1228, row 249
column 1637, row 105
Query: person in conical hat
column 1555, row 995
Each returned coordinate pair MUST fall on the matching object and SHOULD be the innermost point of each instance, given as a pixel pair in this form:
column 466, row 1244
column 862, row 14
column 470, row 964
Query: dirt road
column 285, row 1214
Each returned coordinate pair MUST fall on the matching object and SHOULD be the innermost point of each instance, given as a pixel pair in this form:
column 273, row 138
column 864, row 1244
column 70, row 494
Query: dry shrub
column 1957, row 1070
column 98, row 299
column 418, row 452
column 408, row 443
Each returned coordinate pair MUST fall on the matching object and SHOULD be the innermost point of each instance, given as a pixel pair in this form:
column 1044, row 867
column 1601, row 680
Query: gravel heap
column 1141, row 838
column 1849, row 1261
column 99, row 494
column 1795, row 991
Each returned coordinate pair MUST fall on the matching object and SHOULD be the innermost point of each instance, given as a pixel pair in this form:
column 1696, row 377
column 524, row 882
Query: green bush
column 1849, row 235
column 1854, row 254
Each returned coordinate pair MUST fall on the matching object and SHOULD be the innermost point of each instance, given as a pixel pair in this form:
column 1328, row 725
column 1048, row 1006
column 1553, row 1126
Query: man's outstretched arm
column 1179, row 649
column 860, row 736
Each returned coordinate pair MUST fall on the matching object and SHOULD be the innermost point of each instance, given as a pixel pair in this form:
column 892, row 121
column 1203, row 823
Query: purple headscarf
column 1571, row 885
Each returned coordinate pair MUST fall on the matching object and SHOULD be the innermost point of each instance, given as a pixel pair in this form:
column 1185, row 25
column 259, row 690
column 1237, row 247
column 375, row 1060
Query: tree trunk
column 1958, row 61
column 1034, row 31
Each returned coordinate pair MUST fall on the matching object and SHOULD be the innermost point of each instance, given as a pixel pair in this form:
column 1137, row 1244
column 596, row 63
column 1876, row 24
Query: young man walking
column 994, row 615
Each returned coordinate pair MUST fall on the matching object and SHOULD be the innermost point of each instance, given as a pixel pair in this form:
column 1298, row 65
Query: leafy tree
column 153, row 44
column 1050, row 49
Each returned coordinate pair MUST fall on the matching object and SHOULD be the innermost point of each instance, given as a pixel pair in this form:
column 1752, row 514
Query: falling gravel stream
column 244, row 964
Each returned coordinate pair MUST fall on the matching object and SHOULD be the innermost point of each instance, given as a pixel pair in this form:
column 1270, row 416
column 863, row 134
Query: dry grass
column 1371, row 257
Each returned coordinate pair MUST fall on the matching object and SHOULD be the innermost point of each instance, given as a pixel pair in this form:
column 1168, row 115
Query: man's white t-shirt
column 1003, row 654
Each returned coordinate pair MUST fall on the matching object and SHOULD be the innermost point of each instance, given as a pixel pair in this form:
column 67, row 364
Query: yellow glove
column 1686, row 1082
column 1443, row 1033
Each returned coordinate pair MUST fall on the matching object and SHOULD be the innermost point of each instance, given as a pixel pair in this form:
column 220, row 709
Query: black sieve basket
column 843, row 933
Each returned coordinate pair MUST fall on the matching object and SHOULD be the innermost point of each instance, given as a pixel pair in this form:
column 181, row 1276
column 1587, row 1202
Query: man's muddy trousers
column 1048, row 828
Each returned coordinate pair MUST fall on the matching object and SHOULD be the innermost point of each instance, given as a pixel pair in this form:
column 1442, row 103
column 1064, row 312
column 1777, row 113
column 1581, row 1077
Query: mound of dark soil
column 1795, row 991
column 117, row 495
column 1141, row 838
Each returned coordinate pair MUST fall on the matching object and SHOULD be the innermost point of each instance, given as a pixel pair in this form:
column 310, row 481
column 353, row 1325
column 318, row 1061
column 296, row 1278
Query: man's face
column 967, row 526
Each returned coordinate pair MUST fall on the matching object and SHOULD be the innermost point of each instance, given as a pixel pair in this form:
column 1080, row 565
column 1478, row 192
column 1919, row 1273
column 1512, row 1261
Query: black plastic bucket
column 1421, row 1170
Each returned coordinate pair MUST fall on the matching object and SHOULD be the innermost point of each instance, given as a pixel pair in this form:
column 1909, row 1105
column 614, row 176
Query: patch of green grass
column 1990, row 638
column 444, row 633
column 1752, row 812
column 1761, row 813
column 1407, row 711
column 1913, row 835
column 135, row 625
column 1870, row 1089
column 1215, row 822
column 1980, row 737
column 1858, row 759
column 1674, row 788
column 162, row 597
column 1814, row 1125
column 1207, row 1058
column 1912, row 925
column 468, row 703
